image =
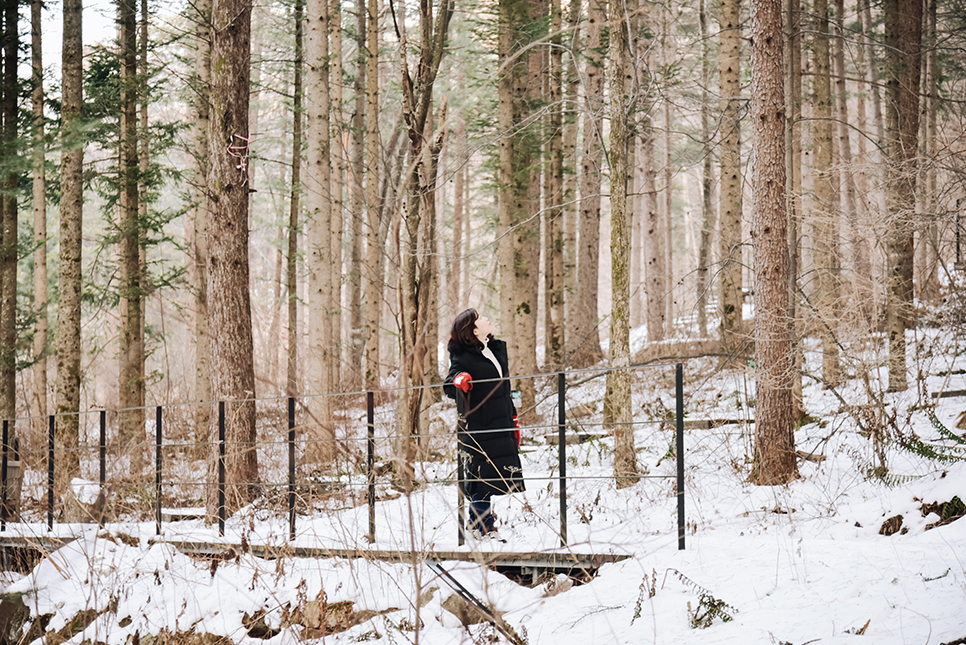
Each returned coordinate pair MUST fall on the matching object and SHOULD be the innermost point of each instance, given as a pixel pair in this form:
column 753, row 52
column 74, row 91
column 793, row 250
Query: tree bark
column 774, row 458
column 793, row 183
column 730, row 278
column 375, row 237
column 929, row 260
column 10, row 215
column 232, row 353
column 827, row 260
column 67, row 430
column 584, row 343
column 618, row 401
column 356, row 337
column 708, row 215
column 418, row 239
column 322, row 259
column 295, row 208
column 131, row 414
column 570, row 193
column 903, row 37
column 198, row 233
column 38, row 407
column 337, row 152
column 554, row 293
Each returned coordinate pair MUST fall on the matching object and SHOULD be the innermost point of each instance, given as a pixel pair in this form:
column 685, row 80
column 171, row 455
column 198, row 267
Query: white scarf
column 490, row 355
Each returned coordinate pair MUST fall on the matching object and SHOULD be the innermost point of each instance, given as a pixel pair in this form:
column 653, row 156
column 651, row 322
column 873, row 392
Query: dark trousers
column 481, row 516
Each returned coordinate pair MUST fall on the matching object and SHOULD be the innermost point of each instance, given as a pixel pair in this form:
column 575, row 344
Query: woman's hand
column 463, row 381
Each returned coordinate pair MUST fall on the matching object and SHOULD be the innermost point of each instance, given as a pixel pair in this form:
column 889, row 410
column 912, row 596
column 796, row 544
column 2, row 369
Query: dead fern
column 708, row 607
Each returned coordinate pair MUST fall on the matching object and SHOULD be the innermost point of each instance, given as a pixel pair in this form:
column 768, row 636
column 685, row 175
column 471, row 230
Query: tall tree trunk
column 929, row 287
column 527, row 238
column 375, row 258
column 554, row 293
column 322, row 262
column 584, row 344
column 67, row 430
column 232, row 352
column 667, row 225
column 860, row 264
column 295, row 207
column 8, row 249
column 903, row 38
column 730, row 279
column 570, row 195
column 826, row 203
column 460, row 219
column 793, row 186
column 337, row 153
column 862, row 254
column 131, row 417
column 38, row 407
column 198, row 234
column 144, row 158
column 708, row 214
column 654, row 237
column 774, row 461
column 356, row 339
column 418, row 243
column 618, row 402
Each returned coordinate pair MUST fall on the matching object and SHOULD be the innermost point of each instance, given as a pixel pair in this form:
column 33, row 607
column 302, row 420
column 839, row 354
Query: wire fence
column 110, row 476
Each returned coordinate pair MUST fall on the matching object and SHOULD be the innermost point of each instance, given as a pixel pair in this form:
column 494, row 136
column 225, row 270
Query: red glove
column 463, row 381
column 516, row 431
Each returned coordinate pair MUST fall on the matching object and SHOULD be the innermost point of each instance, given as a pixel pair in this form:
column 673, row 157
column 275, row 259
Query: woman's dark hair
column 463, row 335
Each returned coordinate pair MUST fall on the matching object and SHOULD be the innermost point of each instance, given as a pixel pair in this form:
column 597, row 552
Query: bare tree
column 554, row 292
column 71, row 242
column 584, row 341
column 321, row 257
column 774, row 457
column 825, row 219
column 233, row 370
column 295, row 206
column 10, row 216
column 418, row 245
column 618, row 401
column 130, row 385
column 38, row 407
column 903, row 39
column 708, row 214
column 729, row 227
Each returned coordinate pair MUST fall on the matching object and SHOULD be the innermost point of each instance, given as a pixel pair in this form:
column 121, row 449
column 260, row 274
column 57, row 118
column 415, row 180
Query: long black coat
column 490, row 437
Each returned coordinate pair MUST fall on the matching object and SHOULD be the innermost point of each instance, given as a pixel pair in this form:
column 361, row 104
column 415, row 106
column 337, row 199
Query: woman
column 491, row 440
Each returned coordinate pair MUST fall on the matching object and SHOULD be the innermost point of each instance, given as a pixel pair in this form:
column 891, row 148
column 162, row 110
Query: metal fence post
column 370, row 462
column 3, row 475
column 291, row 468
column 221, row 468
column 679, row 447
column 562, row 452
column 157, row 472
column 102, row 451
column 50, row 475
column 460, row 475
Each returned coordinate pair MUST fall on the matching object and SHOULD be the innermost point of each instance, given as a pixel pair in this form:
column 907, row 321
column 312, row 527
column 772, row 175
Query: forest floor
column 809, row 562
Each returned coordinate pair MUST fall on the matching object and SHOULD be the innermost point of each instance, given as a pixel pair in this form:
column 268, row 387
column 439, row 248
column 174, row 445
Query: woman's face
column 483, row 328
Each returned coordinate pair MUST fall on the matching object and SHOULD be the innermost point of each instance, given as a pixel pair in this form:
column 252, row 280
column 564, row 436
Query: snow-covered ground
column 802, row 563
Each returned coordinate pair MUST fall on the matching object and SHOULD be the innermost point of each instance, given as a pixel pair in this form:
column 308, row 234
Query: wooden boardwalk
column 526, row 565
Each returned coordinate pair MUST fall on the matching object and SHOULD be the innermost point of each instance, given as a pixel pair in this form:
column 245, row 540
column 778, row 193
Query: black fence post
column 3, row 475
column 562, row 452
column 50, row 475
column 460, row 474
column 221, row 468
column 157, row 472
column 679, row 447
column 370, row 462
column 291, row 468
column 102, row 451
